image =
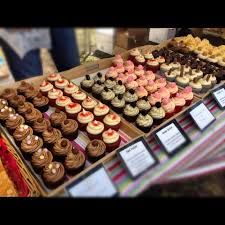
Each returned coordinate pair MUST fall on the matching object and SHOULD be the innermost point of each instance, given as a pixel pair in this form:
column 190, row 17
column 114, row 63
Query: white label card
column 97, row 184
column 202, row 116
column 220, row 96
column 137, row 158
column 171, row 137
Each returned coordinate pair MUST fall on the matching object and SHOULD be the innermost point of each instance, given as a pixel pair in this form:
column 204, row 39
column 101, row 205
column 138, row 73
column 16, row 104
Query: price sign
column 219, row 96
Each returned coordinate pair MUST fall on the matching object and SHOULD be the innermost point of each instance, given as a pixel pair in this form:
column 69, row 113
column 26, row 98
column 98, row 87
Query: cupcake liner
column 44, row 93
column 62, row 108
column 188, row 102
column 52, row 102
column 82, row 126
column 106, row 102
column 95, row 159
column 72, row 115
column 95, row 136
column 100, row 118
column 43, row 108
column 154, row 69
column 87, row 89
column 178, row 109
column 170, row 79
column 95, row 95
column 53, row 185
column 181, row 84
column 196, row 90
column 71, row 136
column 169, row 115
column 157, row 121
column 130, row 118
column 144, row 129
column 115, row 127
column 75, row 171
column 118, row 110
column 113, row 146
column 77, row 101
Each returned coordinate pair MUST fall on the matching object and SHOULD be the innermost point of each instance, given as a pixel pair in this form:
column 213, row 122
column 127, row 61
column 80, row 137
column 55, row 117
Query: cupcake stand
column 184, row 164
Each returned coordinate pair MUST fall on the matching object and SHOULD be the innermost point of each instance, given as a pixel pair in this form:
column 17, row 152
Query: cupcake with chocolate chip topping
column 143, row 104
column 99, row 77
column 119, row 88
column 40, row 125
column 23, row 87
column 130, row 96
column 87, row 83
column 110, row 83
column 69, row 129
column 14, row 102
column 13, row 121
column 57, row 118
column 31, row 93
column 41, row 103
column 50, row 136
column 157, row 113
column 95, row 150
column 8, row 93
column 23, row 107
column 31, row 115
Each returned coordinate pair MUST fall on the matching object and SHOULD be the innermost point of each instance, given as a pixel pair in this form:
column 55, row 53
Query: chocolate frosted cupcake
column 13, row 121
column 4, row 113
column 40, row 159
column 30, row 145
column 21, row 132
column 23, row 87
column 31, row 115
column 31, row 93
column 41, row 103
column 57, row 118
column 40, row 125
column 87, row 83
column 3, row 103
column 61, row 148
column 97, row 89
column 14, row 102
column 8, row 93
column 74, row 162
column 23, row 107
column 53, row 174
column 69, row 129
column 50, row 136
column 107, row 96
column 95, row 150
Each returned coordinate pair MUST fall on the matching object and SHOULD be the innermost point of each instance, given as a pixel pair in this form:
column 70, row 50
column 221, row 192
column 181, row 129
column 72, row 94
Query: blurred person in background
column 22, row 49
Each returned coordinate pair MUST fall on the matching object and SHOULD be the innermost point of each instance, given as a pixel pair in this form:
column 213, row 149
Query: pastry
column 30, row 93
column 119, row 88
column 122, row 77
column 61, row 148
column 131, row 112
column 50, row 136
column 14, row 102
column 118, row 103
column 206, row 83
column 61, row 83
column 23, row 87
column 112, row 121
column 143, row 104
column 69, row 129
column 161, row 82
column 118, row 59
column 142, row 81
column 172, row 74
column 152, row 65
column 100, row 111
column 62, row 102
column 213, row 79
column 112, row 139
column 139, row 60
column 120, row 68
column 40, row 125
column 87, row 83
column 3, row 103
column 187, row 95
column 8, row 93
column 222, row 62
column 70, row 89
column 41, row 103
column 97, row 89
column 83, row 118
column 94, row 129
column 53, row 77
column 179, row 102
column 155, row 97
column 139, row 71
column 130, row 73
column 164, row 92
column 165, row 67
column 53, row 94
column 133, row 53
column 78, row 96
column 57, row 118
column 21, row 132
column 107, row 96
column 72, row 110
column 13, row 121
column 196, row 85
column 169, row 107
column 149, row 75
column 45, row 87
column 110, row 83
column 112, row 72
column 175, row 65
column 89, row 104
column 130, row 96
column 182, row 80
column 151, row 87
column 95, row 150
column 148, row 55
column 141, row 92
column 144, row 122
column 31, row 115
column 131, row 83
column 160, row 60
column 128, row 65
column 157, row 113
column 100, row 77
column 5, row 112
column 172, row 88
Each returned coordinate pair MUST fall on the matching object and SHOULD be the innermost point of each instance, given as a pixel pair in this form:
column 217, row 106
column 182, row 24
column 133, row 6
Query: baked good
column 148, row 55
column 53, row 77
column 139, row 60
column 144, row 121
column 179, row 102
column 50, row 136
column 182, row 80
column 112, row 121
column 69, row 129
column 164, row 92
column 143, row 104
column 149, row 75
column 165, row 67
column 61, row 148
column 107, row 96
column 61, row 83
column 100, row 111
column 13, row 121
column 130, row 96
column 118, row 103
column 112, row 139
column 40, row 125
column 97, row 89
column 70, row 89
column 141, row 92
column 161, row 82
column 129, row 65
column 171, row 75
column 23, row 87
column 83, row 118
column 118, row 59
column 8, row 93
column 78, row 96
column 94, row 129
column 30, row 93
column 120, row 68
column 160, row 60
column 152, row 65
column 21, row 132
column 99, row 77
column 206, row 83
column 133, row 53
column 119, row 88
column 196, row 85
column 142, row 81
column 130, row 112
column 172, row 88
column 157, row 113
column 74, row 162
column 95, row 150
column 139, row 71
column 5, row 112
column 110, row 83
column 89, row 104
column 53, row 94
column 3, row 103
column 41, row 103
column 57, row 118
column 112, row 72
column 62, row 102
column 155, row 97
column 169, row 107
column 53, row 174
column 131, row 83
column 45, row 87
column 151, row 87
column 14, row 102
column 72, row 110
column 122, row 77
column 87, row 83
column 40, row 159
column 187, row 95
column 31, row 115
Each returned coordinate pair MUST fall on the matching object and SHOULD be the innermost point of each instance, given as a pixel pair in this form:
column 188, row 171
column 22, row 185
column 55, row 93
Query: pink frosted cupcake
column 141, row 92
column 161, row 82
column 117, row 60
column 70, row 89
column 100, row 111
column 152, row 65
column 83, row 118
column 179, row 102
column 169, row 107
column 151, row 87
column 53, row 94
column 142, row 81
column 61, row 83
column 164, row 92
column 89, row 104
column 129, row 65
column 133, row 53
column 149, row 75
column 139, row 60
column 79, row 96
column 187, row 95
column 51, row 78
column 172, row 88
column 62, row 102
column 139, row 70
column 45, row 87
column 153, row 98
column 120, row 68
column 122, row 77
column 72, row 110
column 112, row 72
column 131, row 73
column 131, row 83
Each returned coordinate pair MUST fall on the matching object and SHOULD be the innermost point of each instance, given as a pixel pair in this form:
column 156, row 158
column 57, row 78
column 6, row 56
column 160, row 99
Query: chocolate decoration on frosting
column 99, row 75
column 157, row 104
column 132, row 91
column 120, row 82
column 120, row 96
column 195, row 80
column 75, row 151
column 111, row 78
column 190, row 71
column 87, row 77
column 64, row 143
column 99, row 82
column 182, row 71
column 133, row 104
column 106, row 89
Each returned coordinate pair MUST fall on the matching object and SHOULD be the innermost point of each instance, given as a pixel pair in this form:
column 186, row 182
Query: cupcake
column 110, row 83
column 97, row 89
column 3, row 103
column 14, row 102
column 61, row 148
column 119, row 88
column 165, row 67
column 23, row 87
column 133, row 53
column 31, row 93
column 5, row 112
column 53, row 94
column 122, row 77
column 144, row 122
column 169, row 107
column 117, row 60
column 100, row 77
column 53, row 174
column 206, row 83
column 175, row 65
column 151, row 87
column 143, row 104
column 74, row 162
column 45, row 87
column 196, row 85
column 149, row 75
column 130, row 96
column 100, row 111
column 182, row 80
column 187, row 95
column 30, row 144
column 131, row 83
column 94, row 129
column 112, row 121
column 120, row 68
column 130, row 73
column 13, row 121
column 171, row 75
column 89, row 104
column 41, row 103
column 72, row 110
column 83, row 118
column 69, row 129
column 40, row 159
column 118, row 103
column 112, row 72
column 61, row 83
column 87, row 83
column 40, row 125
column 112, row 139
column 148, row 55
column 131, row 112
column 222, row 62
column 107, row 96
column 79, row 96
column 57, row 118
column 51, row 78
column 172, row 88
column 160, row 60
column 95, row 150
column 128, row 65
column 157, row 113
column 213, row 79
column 31, row 115
column 139, row 60
column 164, row 92
column 142, row 81
column 141, row 92
column 8, row 93
column 62, row 102
column 21, row 132
column 50, row 136
column 155, row 97
column 70, row 89
column 161, row 82
column 179, row 102
column 152, row 65
column 139, row 71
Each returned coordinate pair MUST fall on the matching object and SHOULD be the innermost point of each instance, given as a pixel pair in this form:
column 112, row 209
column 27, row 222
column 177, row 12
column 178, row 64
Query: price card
column 171, row 137
column 201, row 115
column 137, row 157
column 219, row 96
column 96, row 183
